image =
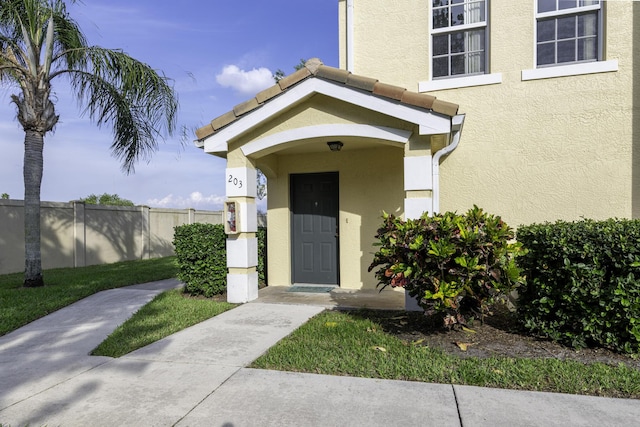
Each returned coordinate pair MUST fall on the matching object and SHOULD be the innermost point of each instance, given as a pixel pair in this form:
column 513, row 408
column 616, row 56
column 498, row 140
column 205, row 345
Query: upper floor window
column 568, row 31
column 459, row 37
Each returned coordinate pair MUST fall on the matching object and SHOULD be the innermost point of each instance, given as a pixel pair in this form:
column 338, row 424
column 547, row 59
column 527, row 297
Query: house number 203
column 235, row 181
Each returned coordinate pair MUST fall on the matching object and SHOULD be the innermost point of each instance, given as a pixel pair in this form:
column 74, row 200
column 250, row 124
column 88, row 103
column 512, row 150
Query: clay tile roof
column 417, row 99
column 315, row 68
column 245, row 107
column 268, row 93
column 360, row 82
column 294, row 78
column 388, row 91
column 330, row 73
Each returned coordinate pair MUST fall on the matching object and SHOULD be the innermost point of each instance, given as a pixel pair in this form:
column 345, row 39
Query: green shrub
column 452, row 264
column 582, row 283
column 202, row 258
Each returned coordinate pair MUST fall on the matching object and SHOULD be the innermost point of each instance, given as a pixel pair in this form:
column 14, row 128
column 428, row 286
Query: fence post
column 145, row 247
column 191, row 216
column 79, row 235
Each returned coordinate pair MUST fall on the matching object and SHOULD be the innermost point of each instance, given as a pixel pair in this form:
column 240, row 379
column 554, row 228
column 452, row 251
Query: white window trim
column 459, row 82
column 558, row 13
column 571, row 11
column 458, row 28
column 465, row 27
column 570, row 70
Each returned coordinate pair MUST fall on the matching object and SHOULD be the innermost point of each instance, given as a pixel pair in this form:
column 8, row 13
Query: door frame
column 292, row 257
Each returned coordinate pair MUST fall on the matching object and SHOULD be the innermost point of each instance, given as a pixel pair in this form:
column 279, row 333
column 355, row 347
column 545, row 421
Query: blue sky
column 218, row 53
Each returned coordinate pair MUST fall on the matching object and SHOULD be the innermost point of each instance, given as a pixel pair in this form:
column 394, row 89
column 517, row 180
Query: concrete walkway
column 198, row 377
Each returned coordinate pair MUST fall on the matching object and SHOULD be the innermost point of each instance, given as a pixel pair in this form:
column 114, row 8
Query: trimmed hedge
column 202, row 257
column 582, row 284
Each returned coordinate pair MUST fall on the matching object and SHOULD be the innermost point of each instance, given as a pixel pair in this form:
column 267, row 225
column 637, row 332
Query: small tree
column 4, row 196
column 280, row 74
column 39, row 44
column 107, row 200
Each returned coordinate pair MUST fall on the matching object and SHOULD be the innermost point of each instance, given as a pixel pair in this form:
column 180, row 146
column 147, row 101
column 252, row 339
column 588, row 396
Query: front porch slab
column 337, row 298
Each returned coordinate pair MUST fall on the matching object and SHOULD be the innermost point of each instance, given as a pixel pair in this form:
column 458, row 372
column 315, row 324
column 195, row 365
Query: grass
column 351, row 344
column 64, row 286
column 335, row 343
column 166, row 314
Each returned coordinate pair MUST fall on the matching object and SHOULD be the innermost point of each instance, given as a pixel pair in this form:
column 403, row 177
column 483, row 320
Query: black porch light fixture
column 335, row 145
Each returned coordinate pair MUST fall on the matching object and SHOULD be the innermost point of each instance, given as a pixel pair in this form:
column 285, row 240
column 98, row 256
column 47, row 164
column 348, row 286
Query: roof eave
column 314, row 68
column 429, row 122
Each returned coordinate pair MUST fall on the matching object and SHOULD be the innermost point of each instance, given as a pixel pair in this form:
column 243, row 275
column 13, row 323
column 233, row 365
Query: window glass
column 458, row 52
column 565, row 33
column 546, row 5
column 587, row 25
column 457, row 15
column 458, row 42
column 556, row 5
column 546, row 54
column 441, row 44
column 566, row 4
column 441, row 66
column 587, row 49
column 566, row 51
column 457, row 65
column 566, row 27
column 546, row 30
column 440, row 18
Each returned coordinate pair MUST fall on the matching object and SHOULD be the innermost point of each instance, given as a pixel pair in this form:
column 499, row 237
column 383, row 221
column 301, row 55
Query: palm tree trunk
column 33, row 145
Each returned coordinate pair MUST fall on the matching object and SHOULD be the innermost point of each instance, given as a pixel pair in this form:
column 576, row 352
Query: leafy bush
column 202, row 258
column 582, row 283
column 452, row 264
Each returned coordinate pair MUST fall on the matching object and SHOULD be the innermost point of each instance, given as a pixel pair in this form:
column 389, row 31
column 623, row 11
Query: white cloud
column 245, row 82
column 194, row 200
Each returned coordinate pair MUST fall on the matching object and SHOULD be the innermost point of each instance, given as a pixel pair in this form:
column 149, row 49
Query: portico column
column 418, row 188
column 241, row 225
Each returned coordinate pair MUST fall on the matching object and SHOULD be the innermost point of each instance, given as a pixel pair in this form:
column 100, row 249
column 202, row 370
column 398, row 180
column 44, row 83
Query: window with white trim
column 459, row 38
column 568, row 31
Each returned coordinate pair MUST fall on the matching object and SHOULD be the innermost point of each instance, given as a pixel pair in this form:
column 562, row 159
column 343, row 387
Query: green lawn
column 336, row 343
column 166, row 314
column 64, row 286
column 341, row 343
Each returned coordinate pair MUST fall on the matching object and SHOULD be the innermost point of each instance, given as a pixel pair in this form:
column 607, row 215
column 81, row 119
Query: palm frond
column 40, row 42
column 136, row 100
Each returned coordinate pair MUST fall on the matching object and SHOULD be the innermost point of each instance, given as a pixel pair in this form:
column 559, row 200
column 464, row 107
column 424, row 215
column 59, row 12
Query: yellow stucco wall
column 370, row 181
column 531, row 151
column 319, row 109
column 389, row 40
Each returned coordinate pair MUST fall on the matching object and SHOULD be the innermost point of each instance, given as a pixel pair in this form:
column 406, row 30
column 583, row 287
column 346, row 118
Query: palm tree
column 39, row 43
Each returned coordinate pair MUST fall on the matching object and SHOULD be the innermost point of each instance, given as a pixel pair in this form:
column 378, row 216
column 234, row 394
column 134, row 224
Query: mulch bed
column 498, row 336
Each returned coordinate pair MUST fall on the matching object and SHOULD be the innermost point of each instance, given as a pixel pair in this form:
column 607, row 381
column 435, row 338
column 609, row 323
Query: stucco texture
column 370, row 175
column 531, row 151
column 370, row 181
